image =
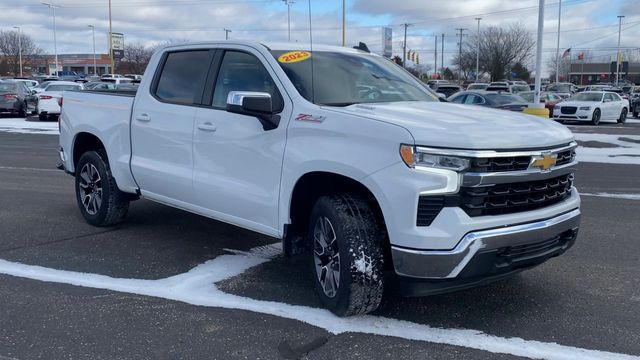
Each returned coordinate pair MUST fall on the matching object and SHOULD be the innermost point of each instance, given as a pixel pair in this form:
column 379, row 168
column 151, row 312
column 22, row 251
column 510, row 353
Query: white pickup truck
column 338, row 152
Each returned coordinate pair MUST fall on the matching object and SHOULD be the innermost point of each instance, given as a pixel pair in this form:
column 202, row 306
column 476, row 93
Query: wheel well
column 85, row 142
column 309, row 188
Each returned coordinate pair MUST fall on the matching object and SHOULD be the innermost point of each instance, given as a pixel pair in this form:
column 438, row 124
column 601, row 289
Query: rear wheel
column 22, row 112
column 42, row 117
column 347, row 255
column 595, row 118
column 99, row 199
column 623, row 116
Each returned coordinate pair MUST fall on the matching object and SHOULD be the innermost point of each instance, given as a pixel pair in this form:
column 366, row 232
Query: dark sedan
column 14, row 98
column 505, row 101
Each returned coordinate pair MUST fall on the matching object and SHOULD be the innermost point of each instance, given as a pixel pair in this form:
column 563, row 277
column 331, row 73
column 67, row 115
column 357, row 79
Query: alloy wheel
column 90, row 188
column 326, row 256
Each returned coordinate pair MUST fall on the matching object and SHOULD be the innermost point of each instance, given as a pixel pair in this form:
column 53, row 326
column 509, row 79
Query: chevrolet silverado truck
column 339, row 153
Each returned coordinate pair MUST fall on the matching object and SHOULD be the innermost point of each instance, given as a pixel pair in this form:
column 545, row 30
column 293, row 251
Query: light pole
column 93, row 31
column 226, row 33
column 19, row 48
column 288, row 2
column 55, row 41
column 558, row 43
column 113, row 70
column 344, row 22
column 478, row 51
column 618, row 60
column 536, row 94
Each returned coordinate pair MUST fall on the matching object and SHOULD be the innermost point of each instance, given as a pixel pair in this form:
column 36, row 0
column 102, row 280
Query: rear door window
column 182, row 77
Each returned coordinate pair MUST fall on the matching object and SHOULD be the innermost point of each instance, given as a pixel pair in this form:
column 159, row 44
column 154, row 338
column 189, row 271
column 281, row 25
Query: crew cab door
column 162, row 126
column 237, row 163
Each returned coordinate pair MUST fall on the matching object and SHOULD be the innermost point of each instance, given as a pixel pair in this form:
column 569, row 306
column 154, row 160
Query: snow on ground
column 616, row 149
column 197, row 287
column 20, row 125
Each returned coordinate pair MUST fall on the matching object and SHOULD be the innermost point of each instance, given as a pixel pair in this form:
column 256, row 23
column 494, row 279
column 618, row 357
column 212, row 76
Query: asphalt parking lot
column 145, row 289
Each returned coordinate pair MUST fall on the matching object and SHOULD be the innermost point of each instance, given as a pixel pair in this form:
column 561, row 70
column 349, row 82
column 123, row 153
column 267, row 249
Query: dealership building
column 79, row 63
column 593, row 73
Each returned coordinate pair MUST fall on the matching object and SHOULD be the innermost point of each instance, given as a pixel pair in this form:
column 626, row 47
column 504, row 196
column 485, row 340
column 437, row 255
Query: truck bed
column 106, row 114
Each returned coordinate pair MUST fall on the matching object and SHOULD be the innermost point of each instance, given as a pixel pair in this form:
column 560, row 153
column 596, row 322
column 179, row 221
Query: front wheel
column 347, row 255
column 99, row 199
column 595, row 118
column 623, row 116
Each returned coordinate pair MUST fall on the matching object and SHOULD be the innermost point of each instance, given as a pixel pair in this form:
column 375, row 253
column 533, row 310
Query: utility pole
column 19, row 48
column 618, row 57
column 460, row 55
column 55, row 42
column 558, row 43
column 113, row 70
column 478, row 50
column 435, row 65
column 93, row 32
column 226, row 33
column 288, row 2
column 404, row 46
column 344, row 22
column 442, row 56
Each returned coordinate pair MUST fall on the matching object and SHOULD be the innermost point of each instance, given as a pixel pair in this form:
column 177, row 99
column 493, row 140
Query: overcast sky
column 586, row 24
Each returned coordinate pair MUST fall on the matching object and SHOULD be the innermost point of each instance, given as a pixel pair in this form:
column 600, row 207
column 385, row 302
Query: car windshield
column 520, row 88
column 62, row 87
column 341, row 79
column 588, row 97
column 7, row 87
column 477, row 86
column 527, row 96
column 501, row 99
column 562, row 88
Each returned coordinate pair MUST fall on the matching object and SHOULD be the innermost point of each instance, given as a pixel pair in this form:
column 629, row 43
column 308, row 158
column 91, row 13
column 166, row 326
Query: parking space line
column 28, row 169
column 197, row 287
column 612, row 195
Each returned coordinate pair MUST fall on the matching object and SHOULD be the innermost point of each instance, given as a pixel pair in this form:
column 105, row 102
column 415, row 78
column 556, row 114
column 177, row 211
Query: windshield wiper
column 340, row 104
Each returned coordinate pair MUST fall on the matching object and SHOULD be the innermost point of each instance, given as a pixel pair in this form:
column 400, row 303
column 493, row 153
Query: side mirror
column 441, row 95
column 256, row 104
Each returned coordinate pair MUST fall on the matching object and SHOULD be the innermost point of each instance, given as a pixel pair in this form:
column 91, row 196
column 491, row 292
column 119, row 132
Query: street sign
column 117, row 45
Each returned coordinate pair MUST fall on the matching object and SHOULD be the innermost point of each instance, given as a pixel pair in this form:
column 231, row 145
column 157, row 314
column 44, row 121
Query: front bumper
column 579, row 115
column 491, row 252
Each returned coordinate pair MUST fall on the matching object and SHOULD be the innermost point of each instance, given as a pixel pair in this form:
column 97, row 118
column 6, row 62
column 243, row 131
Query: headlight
column 413, row 158
column 585, row 108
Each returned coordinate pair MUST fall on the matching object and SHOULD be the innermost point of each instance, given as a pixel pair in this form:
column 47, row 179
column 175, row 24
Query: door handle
column 143, row 117
column 207, row 127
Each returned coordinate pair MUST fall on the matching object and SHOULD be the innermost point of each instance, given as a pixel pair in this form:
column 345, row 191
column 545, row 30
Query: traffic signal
column 418, row 59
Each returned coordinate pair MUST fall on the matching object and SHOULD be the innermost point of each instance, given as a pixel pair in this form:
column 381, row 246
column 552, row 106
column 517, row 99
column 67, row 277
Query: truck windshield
column 341, row 79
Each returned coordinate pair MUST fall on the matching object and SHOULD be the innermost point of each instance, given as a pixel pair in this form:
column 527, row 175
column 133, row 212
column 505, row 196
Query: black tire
column 22, row 112
column 623, row 116
column 635, row 114
column 113, row 204
column 357, row 240
column 595, row 118
column 42, row 117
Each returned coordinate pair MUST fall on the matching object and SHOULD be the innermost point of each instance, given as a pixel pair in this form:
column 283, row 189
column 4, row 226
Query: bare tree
column 136, row 58
column 10, row 47
column 500, row 49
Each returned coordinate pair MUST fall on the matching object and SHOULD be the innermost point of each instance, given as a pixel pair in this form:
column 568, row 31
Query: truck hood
column 448, row 125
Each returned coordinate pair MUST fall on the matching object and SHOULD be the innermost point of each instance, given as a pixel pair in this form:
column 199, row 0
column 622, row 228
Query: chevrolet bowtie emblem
column 546, row 162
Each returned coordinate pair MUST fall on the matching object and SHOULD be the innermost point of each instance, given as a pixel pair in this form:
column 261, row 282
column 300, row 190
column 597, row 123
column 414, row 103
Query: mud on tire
column 357, row 241
column 99, row 199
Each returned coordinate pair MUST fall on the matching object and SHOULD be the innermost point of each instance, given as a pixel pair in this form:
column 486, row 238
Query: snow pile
column 624, row 149
column 20, row 125
column 197, row 287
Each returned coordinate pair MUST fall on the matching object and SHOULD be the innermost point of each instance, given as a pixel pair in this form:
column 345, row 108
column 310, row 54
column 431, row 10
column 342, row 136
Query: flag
column 581, row 56
column 566, row 53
